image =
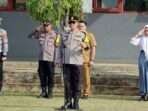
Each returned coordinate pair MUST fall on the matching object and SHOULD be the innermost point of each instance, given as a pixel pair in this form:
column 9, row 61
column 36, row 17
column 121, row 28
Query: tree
column 56, row 11
column 146, row 5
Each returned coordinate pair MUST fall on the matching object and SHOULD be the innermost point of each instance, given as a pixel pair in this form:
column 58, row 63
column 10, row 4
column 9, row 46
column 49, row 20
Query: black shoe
column 44, row 94
column 76, row 106
column 76, row 103
column 67, row 105
column 70, row 106
column 50, row 92
column 146, row 97
column 141, row 98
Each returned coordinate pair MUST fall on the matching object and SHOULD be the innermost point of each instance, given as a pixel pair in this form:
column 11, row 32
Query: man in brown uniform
column 89, row 56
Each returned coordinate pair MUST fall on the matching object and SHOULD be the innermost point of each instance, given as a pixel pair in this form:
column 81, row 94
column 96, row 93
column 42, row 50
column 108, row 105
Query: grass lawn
column 95, row 103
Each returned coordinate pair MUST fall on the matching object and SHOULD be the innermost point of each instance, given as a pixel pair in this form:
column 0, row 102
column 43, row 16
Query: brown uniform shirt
column 91, row 42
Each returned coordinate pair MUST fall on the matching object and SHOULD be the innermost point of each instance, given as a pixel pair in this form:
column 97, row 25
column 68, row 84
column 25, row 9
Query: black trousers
column 46, row 74
column 1, row 75
column 72, row 81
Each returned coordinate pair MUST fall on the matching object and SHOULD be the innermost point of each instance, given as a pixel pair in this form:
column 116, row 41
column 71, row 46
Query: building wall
column 112, row 31
column 19, row 25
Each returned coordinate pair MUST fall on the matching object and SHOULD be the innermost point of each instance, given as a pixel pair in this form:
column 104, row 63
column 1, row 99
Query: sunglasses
column 72, row 22
column 45, row 25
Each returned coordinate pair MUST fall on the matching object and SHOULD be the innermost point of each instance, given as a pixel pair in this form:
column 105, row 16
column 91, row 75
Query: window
column 9, row 5
column 20, row 5
column 110, row 6
column 6, row 5
column 3, row 3
column 87, row 6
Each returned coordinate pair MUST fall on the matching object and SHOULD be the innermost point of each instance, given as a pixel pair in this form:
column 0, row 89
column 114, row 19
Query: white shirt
column 72, row 53
column 47, row 46
column 3, row 42
column 142, row 42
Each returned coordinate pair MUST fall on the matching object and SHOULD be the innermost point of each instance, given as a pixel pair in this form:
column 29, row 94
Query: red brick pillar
column 120, row 5
column 10, row 5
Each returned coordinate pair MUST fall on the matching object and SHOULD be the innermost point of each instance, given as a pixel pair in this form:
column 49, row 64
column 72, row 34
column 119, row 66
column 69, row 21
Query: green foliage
column 136, row 5
column 76, row 8
column 146, row 5
column 53, row 10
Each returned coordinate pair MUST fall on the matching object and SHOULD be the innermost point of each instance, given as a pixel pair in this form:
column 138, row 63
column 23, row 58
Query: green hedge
column 136, row 5
column 146, row 5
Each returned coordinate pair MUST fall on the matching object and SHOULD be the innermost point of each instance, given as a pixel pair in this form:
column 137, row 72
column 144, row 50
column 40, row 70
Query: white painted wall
column 112, row 32
column 87, row 6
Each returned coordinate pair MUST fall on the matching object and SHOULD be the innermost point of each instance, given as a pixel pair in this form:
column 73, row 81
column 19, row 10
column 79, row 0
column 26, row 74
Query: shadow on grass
column 17, row 94
column 21, row 106
column 116, row 97
column 59, row 109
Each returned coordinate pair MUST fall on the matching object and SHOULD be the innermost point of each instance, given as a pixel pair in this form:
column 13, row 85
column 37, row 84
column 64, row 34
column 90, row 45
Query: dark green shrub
column 135, row 5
